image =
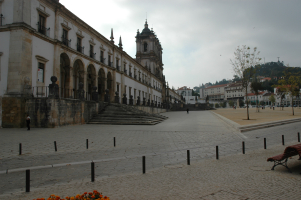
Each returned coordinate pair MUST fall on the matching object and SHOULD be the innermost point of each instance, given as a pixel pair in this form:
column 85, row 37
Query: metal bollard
column 55, row 148
column 92, row 172
column 298, row 137
column 143, row 164
column 27, row 180
column 20, row 149
column 114, row 142
column 243, row 147
column 217, row 153
column 87, row 143
column 188, row 157
column 265, row 143
column 282, row 139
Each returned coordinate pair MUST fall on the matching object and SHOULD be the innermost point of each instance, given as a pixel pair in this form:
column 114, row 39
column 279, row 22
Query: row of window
column 65, row 40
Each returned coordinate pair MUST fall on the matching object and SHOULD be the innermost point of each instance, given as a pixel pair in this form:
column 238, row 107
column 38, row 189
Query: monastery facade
column 40, row 39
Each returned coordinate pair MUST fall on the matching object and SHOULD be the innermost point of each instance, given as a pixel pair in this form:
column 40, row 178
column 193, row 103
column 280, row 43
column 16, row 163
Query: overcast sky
column 199, row 37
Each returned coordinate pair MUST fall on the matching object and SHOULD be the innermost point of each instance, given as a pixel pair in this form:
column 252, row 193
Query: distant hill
column 269, row 69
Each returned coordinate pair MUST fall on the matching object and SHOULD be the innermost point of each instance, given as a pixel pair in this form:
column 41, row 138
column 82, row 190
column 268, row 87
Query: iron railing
column 43, row 30
column 79, row 48
column 102, row 60
column 66, row 42
column 43, row 91
column 92, row 55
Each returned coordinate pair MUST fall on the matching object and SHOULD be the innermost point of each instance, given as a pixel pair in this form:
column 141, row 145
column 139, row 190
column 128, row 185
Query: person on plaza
column 28, row 122
column 187, row 110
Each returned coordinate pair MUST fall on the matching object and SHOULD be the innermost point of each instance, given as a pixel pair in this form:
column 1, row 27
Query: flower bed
column 86, row 196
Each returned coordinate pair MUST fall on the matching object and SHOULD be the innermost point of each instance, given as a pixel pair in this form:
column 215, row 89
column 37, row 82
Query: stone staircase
column 119, row 114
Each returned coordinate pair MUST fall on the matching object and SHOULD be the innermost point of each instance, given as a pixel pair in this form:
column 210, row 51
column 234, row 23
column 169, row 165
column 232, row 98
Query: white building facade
column 41, row 38
column 215, row 92
column 186, row 92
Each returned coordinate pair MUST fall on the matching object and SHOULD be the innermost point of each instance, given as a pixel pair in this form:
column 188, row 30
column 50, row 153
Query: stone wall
column 13, row 112
column 47, row 112
column 151, row 110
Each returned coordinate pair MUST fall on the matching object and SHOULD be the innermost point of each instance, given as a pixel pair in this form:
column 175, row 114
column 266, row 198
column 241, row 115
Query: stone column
column 20, row 61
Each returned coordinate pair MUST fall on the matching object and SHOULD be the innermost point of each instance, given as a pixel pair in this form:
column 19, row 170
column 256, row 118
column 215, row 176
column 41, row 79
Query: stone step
column 119, row 114
column 123, row 123
column 123, row 119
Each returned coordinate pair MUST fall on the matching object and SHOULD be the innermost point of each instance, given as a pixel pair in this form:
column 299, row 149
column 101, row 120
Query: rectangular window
column 109, row 60
column 65, row 37
column 91, row 51
column 41, row 69
column 79, row 44
column 101, row 56
column 42, row 24
column 65, row 34
column 117, row 87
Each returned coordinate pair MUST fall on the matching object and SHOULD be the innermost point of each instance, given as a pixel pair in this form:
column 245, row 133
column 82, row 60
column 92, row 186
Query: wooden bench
column 288, row 152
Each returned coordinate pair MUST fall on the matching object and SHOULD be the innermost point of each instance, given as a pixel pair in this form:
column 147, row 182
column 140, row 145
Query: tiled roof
column 253, row 94
column 234, row 84
column 216, row 86
column 268, row 94
column 183, row 88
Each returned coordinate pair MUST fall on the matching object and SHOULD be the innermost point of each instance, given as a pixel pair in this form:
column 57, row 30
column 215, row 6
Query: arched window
column 145, row 47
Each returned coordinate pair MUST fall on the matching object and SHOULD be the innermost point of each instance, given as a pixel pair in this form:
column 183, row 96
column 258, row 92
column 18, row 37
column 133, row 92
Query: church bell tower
column 149, row 51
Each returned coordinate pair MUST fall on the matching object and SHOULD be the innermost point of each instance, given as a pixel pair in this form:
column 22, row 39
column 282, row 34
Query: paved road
column 162, row 144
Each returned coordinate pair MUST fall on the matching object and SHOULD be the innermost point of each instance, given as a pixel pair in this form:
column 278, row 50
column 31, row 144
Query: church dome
column 146, row 30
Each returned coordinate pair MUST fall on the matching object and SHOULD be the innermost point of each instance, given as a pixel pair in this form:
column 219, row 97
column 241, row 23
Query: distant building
column 215, row 92
column 187, row 94
column 234, row 91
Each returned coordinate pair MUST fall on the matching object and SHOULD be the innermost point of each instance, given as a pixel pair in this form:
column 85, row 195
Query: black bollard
column 143, row 164
column 282, row 139
column 298, row 137
column 20, row 149
column 55, row 148
column 27, row 180
column 265, row 143
column 188, row 157
column 92, row 172
column 114, row 142
column 243, row 147
column 87, row 143
column 216, row 152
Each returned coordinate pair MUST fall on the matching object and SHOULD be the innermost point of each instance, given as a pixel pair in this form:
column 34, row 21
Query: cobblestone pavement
column 164, row 144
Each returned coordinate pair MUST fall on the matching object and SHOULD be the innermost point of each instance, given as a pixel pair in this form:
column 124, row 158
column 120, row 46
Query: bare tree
column 244, row 63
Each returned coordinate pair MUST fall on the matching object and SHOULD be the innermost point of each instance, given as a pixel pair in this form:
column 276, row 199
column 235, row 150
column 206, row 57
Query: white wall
column 7, row 11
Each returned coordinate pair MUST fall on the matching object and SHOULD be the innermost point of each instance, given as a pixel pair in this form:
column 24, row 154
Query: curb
column 256, row 126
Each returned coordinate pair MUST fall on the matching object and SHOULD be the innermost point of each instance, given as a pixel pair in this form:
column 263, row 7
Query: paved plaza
column 239, row 115
column 119, row 169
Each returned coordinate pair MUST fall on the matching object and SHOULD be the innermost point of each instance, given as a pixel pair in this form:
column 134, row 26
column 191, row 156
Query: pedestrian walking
column 187, row 110
column 28, row 122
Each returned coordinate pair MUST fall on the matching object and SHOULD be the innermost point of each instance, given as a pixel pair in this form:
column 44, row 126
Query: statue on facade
column 124, row 99
column 94, row 94
column 107, row 96
column 53, row 88
column 116, row 97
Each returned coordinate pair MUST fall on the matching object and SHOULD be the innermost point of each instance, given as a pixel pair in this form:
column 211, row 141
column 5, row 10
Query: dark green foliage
column 194, row 93
column 241, row 103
